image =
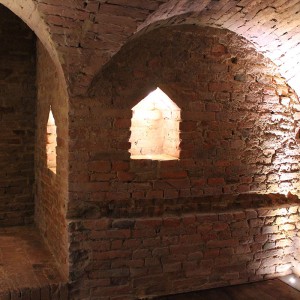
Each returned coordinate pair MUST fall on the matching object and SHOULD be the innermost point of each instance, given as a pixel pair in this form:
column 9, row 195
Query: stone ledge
column 27, row 268
column 160, row 207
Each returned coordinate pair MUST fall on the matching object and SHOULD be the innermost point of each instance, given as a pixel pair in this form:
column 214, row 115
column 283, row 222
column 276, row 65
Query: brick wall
column 269, row 25
column 238, row 128
column 144, row 257
column 52, row 187
column 87, row 34
column 17, row 120
column 54, row 291
column 238, row 124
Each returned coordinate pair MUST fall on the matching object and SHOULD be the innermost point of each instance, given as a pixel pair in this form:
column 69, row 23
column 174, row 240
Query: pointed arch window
column 51, row 142
column 155, row 128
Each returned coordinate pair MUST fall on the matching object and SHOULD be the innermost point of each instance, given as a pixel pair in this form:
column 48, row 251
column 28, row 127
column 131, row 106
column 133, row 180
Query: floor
column 24, row 260
column 273, row 289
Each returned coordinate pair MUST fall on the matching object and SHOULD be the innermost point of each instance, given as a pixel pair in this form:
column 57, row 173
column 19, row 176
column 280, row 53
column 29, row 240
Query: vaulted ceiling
column 82, row 35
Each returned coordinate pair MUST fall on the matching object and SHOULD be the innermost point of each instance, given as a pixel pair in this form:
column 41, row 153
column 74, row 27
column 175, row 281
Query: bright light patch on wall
column 292, row 280
column 155, row 128
column 51, row 143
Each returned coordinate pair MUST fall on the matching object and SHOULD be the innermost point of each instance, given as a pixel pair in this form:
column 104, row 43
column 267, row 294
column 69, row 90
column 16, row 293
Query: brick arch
column 272, row 26
column 28, row 12
column 50, row 88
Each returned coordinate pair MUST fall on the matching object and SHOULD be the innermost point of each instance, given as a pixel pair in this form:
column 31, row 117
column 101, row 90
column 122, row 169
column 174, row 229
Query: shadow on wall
column 51, row 158
column 29, row 78
column 17, row 120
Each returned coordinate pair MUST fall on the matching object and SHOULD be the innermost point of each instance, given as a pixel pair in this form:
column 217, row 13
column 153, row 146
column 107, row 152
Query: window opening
column 51, row 142
column 155, row 128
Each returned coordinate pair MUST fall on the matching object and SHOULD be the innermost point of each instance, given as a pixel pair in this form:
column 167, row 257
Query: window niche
column 51, row 142
column 155, row 128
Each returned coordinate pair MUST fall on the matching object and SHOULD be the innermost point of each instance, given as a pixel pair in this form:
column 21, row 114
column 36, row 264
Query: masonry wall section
column 52, row 188
column 17, row 120
column 146, row 257
column 238, row 125
column 238, row 128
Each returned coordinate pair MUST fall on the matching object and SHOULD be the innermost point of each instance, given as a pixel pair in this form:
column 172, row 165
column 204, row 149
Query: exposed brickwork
column 237, row 134
column 238, row 130
column 52, row 188
column 55, row 291
column 28, row 12
column 88, row 34
column 133, row 258
column 17, row 120
column 270, row 25
column 28, row 270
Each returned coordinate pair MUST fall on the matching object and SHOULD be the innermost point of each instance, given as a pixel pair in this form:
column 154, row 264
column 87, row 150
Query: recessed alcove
column 51, row 142
column 155, row 128
column 33, row 251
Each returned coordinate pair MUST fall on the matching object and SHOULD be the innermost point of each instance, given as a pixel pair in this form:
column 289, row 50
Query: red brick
column 120, row 165
column 125, row 176
column 222, row 243
column 156, row 194
column 188, row 126
column 219, row 87
column 111, row 254
column 148, row 223
column 122, row 123
column 215, row 181
column 171, row 222
column 99, row 166
column 189, row 220
column 143, row 233
column 172, row 267
column 173, row 174
column 171, row 194
column 211, row 253
column 141, row 253
column 220, row 226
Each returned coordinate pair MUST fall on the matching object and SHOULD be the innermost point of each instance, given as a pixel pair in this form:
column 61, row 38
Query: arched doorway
column 32, row 196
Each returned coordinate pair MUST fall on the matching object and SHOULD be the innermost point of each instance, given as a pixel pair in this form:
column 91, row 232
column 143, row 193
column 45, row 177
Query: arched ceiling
column 87, row 33
column 272, row 26
column 28, row 12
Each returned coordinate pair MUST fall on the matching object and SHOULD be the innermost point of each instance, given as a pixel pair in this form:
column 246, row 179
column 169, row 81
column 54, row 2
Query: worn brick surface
column 270, row 25
column 238, row 140
column 28, row 270
column 28, row 12
column 140, row 227
column 83, row 36
column 88, row 34
column 51, row 187
column 240, row 147
column 181, row 256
